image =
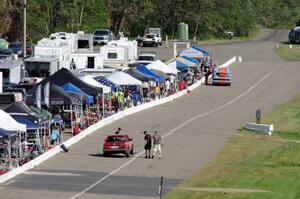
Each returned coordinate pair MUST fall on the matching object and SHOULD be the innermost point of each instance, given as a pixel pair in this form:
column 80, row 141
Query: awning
column 91, row 81
column 29, row 124
column 194, row 52
column 160, row 66
column 146, row 71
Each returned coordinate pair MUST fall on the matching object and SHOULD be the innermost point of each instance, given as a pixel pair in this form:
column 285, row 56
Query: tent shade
column 194, row 52
column 29, row 124
column 181, row 66
column 160, row 66
column 40, row 111
column 6, row 134
column 91, row 81
column 139, row 75
column 122, row 79
column 9, row 123
column 64, row 76
column 59, row 98
column 186, row 61
column 145, row 70
column 72, row 88
column 20, row 109
column 196, row 61
column 158, row 72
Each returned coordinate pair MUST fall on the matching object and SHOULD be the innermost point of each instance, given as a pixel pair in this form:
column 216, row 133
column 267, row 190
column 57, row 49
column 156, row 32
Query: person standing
column 118, row 131
column 167, row 86
column 157, row 144
column 148, row 144
column 172, row 83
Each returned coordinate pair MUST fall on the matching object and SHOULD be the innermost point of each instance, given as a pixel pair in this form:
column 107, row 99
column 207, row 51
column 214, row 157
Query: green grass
column 290, row 54
column 254, row 161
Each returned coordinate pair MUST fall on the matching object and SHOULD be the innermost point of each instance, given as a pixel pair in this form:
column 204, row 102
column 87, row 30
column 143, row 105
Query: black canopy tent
column 64, row 76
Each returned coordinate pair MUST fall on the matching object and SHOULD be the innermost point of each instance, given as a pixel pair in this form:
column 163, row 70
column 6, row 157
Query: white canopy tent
column 160, row 66
column 91, row 81
column 173, row 66
column 10, row 124
column 121, row 78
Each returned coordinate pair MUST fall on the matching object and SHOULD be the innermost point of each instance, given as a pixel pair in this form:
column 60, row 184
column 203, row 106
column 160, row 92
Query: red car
column 118, row 143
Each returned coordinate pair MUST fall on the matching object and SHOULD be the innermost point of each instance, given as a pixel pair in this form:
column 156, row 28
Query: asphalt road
column 194, row 129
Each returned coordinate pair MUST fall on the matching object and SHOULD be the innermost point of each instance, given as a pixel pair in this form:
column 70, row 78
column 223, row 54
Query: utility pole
column 24, row 29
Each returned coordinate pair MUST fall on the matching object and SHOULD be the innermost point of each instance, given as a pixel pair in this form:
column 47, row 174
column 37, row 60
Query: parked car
column 103, row 36
column 152, row 39
column 5, row 53
column 146, row 57
column 294, row 35
column 116, row 144
column 16, row 48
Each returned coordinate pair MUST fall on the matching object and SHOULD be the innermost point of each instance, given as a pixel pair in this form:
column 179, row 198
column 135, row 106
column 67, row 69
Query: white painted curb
column 52, row 152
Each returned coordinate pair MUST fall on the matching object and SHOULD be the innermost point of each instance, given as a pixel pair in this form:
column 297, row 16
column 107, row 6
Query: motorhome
column 11, row 71
column 120, row 53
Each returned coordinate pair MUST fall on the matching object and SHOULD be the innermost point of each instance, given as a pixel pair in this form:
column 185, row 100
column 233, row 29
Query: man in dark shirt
column 148, row 141
column 118, row 131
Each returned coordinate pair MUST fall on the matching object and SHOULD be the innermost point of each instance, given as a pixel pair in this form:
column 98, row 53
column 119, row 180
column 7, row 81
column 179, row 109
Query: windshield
column 115, row 138
column 14, row 46
column 146, row 58
column 149, row 36
column 101, row 32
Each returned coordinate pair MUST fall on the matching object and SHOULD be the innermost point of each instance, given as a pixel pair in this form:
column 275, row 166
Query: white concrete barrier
column 52, row 152
column 264, row 128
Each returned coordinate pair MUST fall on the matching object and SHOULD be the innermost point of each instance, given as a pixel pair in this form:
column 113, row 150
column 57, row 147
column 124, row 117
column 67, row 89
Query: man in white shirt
column 167, row 86
column 172, row 82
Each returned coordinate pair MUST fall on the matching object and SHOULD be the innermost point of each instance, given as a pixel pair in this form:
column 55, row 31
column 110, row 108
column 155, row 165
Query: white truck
column 146, row 57
column 153, row 38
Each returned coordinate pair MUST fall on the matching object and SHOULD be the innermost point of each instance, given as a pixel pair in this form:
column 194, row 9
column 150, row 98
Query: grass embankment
column 289, row 54
column 254, row 161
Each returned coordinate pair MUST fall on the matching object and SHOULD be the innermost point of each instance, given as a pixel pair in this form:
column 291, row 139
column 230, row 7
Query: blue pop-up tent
column 181, row 66
column 72, row 88
column 196, row 61
column 194, row 52
column 145, row 70
column 29, row 124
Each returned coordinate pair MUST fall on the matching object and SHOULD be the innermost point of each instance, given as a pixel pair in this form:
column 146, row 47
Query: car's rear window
column 116, row 138
column 101, row 32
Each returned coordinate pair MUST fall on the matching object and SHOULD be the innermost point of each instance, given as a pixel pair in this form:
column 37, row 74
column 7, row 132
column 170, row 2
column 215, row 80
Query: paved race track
column 194, row 127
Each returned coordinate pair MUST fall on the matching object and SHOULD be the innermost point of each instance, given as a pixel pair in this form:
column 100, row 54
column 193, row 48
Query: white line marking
column 50, row 173
column 173, row 130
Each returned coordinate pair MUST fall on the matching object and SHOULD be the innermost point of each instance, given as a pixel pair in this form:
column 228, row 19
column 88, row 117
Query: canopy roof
column 60, row 98
column 196, row 61
column 160, row 66
column 9, row 123
column 29, row 124
column 5, row 133
column 181, row 66
column 186, row 61
column 145, row 70
column 91, row 81
column 194, row 52
column 139, row 75
column 121, row 78
column 72, row 88
column 64, row 76
column 20, row 109
column 106, row 82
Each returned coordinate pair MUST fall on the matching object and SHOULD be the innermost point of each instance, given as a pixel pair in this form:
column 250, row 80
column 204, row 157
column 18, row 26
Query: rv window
column 112, row 55
column 83, row 44
column 38, row 69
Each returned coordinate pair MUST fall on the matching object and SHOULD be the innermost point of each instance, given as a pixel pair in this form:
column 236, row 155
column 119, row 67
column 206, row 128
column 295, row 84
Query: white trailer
column 86, row 60
column 115, row 56
column 131, row 48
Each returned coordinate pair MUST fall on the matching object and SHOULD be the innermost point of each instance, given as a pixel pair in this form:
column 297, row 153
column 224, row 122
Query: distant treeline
column 206, row 18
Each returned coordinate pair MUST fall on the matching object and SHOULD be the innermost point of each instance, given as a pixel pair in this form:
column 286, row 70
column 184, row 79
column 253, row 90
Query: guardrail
column 264, row 128
column 73, row 140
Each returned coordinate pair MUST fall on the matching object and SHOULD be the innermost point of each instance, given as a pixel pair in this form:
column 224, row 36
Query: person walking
column 148, row 144
column 157, row 144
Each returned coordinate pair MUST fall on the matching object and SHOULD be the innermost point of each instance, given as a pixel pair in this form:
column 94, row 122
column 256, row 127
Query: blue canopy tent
column 145, row 70
column 74, row 89
column 5, row 134
column 102, row 80
column 29, row 124
column 196, row 61
column 194, row 52
column 181, row 66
